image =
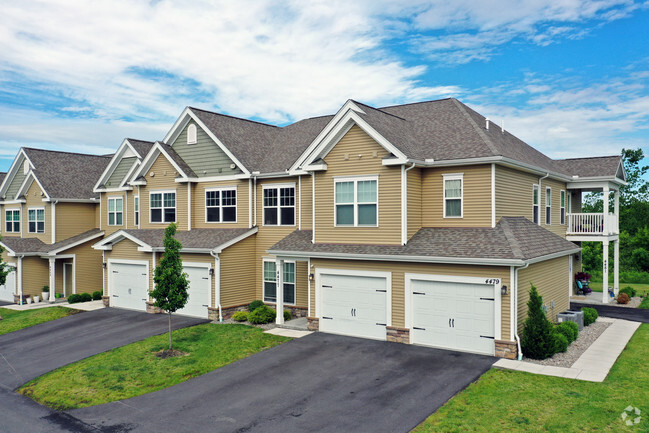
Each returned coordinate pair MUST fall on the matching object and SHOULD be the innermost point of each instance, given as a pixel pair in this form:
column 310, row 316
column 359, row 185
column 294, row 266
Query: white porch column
column 616, row 211
column 52, row 279
column 616, row 264
column 279, row 291
column 605, row 211
column 605, row 271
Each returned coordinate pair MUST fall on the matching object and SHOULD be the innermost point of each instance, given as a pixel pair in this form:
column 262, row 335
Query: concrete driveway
column 30, row 352
column 322, row 382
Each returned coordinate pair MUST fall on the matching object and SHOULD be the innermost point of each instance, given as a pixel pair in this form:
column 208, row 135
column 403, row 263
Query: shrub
column 254, row 305
column 85, row 297
column 584, row 276
column 629, row 291
column 566, row 328
column 45, row 289
column 74, row 298
column 261, row 315
column 623, row 298
column 560, row 342
column 590, row 315
column 240, row 316
column 538, row 340
column 96, row 295
column 287, row 315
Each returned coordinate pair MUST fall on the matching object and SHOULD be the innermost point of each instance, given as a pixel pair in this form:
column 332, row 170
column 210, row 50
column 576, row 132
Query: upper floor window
column 453, row 195
column 279, row 205
column 221, row 205
column 163, row 207
column 548, row 205
column 356, row 202
column 270, row 282
column 36, row 219
column 136, row 210
column 563, row 207
column 115, row 211
column 12, row 220
column 535, row 203
column 191, row 134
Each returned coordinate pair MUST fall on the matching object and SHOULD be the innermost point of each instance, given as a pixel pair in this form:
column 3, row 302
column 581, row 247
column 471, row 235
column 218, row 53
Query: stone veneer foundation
column 506, row 349
column 313, row 323
column 398, row 335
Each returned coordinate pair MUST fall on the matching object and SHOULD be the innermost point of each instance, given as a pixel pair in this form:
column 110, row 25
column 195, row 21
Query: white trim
column 355, row 203
column 548, row 206
column 277, row 186
column 74, row 244
column 308, row 296
column 107, row 242
column 65, row 274
column 150, row 159
column 136, row 199
column 112, row 262
column 313, row 207
column 114, row 162
column 263, row 280
column 15, row 166
column 537, row 213
column 24, row 187
column 404, row 205
column 493, row 195
column 220, row 189
column 250, row 202
column 36, row 220
column 189, row 206
column 562, row 209
column 162, row 192
column 115, row 198
column 512, row 306
column 453, row 176
column 226, row 178
column 53, row 221
column 299, row 188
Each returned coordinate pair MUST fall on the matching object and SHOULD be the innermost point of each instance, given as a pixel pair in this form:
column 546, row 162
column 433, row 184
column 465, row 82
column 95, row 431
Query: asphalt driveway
column 321, row 382
column 30, row 352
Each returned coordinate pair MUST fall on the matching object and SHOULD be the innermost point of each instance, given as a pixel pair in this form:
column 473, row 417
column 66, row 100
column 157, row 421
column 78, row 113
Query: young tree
column 4, row 268
column 170, row 293
column 538, row 339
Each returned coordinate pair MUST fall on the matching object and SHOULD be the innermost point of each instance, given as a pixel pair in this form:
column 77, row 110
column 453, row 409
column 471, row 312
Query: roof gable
column 130, row 148
column 181, row 167
column 15, row 177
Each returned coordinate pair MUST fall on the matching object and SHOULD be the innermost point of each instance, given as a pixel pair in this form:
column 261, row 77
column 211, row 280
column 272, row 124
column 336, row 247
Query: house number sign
column 492, row 281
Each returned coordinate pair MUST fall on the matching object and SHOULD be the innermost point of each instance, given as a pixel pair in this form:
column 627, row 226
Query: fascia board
column 74, row 244
column 112, row 165
column 15, row 166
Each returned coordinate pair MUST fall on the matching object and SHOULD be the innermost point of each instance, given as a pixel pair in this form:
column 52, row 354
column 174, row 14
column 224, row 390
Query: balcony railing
column 591, row 224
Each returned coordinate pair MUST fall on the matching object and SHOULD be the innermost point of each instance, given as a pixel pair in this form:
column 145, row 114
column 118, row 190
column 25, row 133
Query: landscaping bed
column 13, row 320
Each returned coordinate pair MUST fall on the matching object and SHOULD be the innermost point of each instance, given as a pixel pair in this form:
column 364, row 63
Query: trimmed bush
column 46, row 289
column 630, row 291
column 623, row 298
column 538, row 340
column 590, row 315
column 240, row 316
column 96, row 295
column 566, row 328
column 561, row 342
column 74, row 298
column 254, row 305
column 261, row 315
column 287, row 315
column 85, row 297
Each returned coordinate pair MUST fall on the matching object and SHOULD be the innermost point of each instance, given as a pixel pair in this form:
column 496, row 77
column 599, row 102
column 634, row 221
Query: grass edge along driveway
column 14, row 320
column 504, row 400
column 133, row 370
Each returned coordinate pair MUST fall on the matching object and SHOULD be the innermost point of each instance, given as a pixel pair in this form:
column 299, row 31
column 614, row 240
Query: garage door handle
column 205, row 278
column 115, row 272
column 487, row 299
column 381, row 290
column 420, row 329
column 204, row 305
column 328, row 318
column 116, row 296
column 327, row 287
column 418, row 293
column 143, row 274
column 486, row 336
column 382, row 324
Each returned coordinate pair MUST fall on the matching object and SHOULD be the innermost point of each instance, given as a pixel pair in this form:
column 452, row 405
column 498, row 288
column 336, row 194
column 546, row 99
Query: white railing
column 591, row 224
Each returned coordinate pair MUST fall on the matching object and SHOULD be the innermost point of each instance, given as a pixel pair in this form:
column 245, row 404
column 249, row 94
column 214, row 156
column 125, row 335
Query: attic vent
column 25, row 167
column 486, row 123
column 191, row 134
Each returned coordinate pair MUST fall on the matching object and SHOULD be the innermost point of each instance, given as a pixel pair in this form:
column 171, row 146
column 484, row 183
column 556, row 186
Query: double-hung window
column 221, row 205
column 12, row 221
column 115, row 211
column 453, row 195
column 563, row 207
column 279, row 205
column 36, row 220
column 535, row 203
column 163, row 207
column 136, row 210
column 270, row 282
column 356, row 202
column 548, row 205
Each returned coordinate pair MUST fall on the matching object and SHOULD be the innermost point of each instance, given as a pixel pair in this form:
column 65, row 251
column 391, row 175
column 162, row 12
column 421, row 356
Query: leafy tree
column 170, row 293
column 4, row 267
column 538, row 339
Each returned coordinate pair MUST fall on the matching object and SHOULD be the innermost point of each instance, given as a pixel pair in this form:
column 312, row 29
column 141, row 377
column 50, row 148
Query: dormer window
column 191, row 134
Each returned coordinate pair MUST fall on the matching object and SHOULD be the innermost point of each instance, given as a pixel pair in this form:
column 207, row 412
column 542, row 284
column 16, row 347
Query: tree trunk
column 170, row 347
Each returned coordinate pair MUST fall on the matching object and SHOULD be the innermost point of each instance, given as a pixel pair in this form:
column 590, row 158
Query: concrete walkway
column 594, row 364
column 85, row 306
column 287, row 332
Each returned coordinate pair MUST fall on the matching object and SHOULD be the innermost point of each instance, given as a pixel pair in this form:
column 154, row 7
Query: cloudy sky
column 569, row 77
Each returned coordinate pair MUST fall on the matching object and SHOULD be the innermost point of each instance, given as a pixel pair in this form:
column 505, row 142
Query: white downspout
column 250, row 203
column 404, row 202
column 139, row 207
column 189, row 206
column 217, row 280
column 518, row 339
column 103, row 274
column 313, row 207
column 19, row 276
column 299, row 198
column 541, row 195
column 254, row 176
column 53, row 207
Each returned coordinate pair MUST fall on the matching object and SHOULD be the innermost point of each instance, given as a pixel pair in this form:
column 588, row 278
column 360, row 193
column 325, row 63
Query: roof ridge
column 137, row 139
column 416, row 103
column 379, row 110
column 69, row 153
column 476, row 127
column 511, row 239
column 233, row 117
column 589, row 157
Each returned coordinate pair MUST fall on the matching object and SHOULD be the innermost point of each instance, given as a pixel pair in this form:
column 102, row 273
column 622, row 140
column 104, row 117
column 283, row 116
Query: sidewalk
column 85, row 306
column 594, row 364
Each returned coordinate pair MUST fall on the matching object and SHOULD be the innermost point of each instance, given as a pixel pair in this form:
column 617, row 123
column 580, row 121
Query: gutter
column 217, row 287
column 518, row 339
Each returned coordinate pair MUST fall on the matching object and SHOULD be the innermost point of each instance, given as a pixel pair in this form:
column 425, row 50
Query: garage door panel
column 9, row 288
column 199, row 291
column 129, row 285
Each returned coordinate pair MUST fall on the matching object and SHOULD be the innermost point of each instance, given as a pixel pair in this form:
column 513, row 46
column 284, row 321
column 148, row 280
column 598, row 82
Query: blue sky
column 569, row 77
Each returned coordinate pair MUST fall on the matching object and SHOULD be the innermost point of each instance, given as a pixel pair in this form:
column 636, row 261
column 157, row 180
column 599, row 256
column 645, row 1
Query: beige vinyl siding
column 476, row 197
column 127, row 250
column 34, row 200
column 205, row 157
column 414, row 201
column 16, row 182
column 399, row 270
column 129, row 213
column 199, row 214
column 117, row 177
column 342, row 161
column 74, row 218
column 238, row 269
column 307, row 203
column 108, row 229
column 163, row 180
column 36, row 274
column 555, row 226
column 88, row 267
column 551, row 280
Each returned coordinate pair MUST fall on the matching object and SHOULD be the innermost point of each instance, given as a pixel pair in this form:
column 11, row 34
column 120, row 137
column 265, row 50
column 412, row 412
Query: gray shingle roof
column 2, row 176
column 591, row 167
column 34, row 245
column 142, row 147
column 178, row 160
column 66, row 175
column 514, row 238
column 195, row 238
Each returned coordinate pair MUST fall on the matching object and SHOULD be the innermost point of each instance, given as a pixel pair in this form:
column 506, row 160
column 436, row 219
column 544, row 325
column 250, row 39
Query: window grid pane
column 170, row 199
column 453, row 188
column 156, row 200
column 366, row 191
column 289, row 272
column 453, row 208
column 345, row 192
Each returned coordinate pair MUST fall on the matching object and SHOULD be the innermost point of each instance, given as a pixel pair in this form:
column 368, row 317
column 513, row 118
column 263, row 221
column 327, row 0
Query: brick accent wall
column 506, row 349
column 152, row 309
column 398, row 335
column 106, row 301
column 313, row 323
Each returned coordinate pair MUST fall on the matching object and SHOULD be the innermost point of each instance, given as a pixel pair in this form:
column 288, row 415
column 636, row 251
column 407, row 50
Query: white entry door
column 453, row 315
column 200, row 288
column 9, row 288
column 129, row 285
column 355, row 305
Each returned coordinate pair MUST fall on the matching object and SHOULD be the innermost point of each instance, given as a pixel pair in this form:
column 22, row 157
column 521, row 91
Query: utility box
column 580, row 318
column 571, row 316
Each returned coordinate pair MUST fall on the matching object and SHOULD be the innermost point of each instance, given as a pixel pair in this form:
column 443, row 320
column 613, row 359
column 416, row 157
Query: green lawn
column 510, row 401
column 642, row 289
column 133, row 370
column 14, row 320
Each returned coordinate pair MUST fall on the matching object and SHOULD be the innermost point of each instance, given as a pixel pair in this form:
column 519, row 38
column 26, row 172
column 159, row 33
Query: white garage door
column 9, row 288
column 128, row 284
column 354, row 305
column 450, row 315
column 199, row 291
